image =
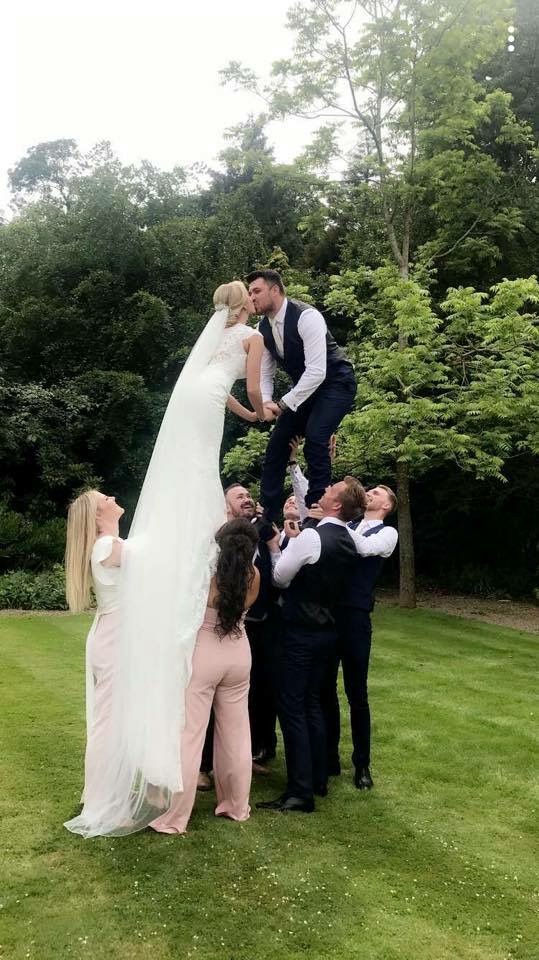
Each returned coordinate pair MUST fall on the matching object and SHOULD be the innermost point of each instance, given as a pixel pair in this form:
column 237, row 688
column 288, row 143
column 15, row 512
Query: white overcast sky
column 142, row 74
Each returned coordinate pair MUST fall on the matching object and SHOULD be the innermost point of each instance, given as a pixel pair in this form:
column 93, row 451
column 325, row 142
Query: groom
column 297, row 340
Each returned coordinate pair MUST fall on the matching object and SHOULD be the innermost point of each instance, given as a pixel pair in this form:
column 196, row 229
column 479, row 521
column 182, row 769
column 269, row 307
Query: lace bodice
column 230, row 353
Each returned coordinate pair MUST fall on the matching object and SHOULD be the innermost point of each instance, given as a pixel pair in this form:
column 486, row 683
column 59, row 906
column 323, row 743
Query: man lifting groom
column 296, row 339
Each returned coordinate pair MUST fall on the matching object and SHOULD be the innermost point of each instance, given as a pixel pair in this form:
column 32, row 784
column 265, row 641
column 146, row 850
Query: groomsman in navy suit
column 298, row 341
column 375, row 541
column 310, row 570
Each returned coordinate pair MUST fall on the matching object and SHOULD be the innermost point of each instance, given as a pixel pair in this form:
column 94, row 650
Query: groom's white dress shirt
column 312, row 330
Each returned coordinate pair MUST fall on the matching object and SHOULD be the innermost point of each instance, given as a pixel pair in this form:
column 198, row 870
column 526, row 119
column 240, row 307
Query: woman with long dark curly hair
column 220, row 678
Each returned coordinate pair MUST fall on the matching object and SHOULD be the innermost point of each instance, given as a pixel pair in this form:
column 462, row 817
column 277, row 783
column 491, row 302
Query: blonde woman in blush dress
column 93, row 562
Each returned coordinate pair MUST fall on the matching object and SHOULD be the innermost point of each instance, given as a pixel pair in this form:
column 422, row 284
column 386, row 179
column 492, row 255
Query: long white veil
column 166, row 569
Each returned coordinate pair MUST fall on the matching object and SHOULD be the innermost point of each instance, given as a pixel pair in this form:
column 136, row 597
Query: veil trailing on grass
column 166, row 568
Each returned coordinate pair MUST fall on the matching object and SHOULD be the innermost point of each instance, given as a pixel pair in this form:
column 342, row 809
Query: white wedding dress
column 167, row 563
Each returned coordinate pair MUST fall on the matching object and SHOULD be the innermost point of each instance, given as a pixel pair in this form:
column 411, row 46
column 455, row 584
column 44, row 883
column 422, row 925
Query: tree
column 278, row 196
column 403, row 74
column 464, row 388
column 515, row 67
column 45, row 171
column 106, row 279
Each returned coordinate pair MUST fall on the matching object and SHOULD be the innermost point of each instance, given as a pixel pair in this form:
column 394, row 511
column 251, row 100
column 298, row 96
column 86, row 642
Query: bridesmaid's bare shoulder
column 252, row 592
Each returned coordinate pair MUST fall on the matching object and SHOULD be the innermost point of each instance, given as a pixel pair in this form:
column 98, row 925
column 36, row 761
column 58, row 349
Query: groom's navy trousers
column 316, row 419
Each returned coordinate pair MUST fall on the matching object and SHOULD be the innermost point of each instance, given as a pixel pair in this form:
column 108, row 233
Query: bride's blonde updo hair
column 233, row 295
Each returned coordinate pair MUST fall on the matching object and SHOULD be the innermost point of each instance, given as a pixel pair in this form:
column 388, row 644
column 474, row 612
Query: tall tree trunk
column 406, row 538
column 406, row 533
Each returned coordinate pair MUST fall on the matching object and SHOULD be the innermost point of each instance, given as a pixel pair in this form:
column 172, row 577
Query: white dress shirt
column 381, row 544
column 312, row 330
column 300, row 486
column 306, row 548
column 301, row 550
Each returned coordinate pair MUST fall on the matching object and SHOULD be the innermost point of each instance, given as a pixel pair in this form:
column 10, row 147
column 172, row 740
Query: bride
column 167, row 563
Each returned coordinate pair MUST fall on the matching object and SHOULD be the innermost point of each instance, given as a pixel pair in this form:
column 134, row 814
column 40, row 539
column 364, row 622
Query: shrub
column 23, row 590
column 29, row 544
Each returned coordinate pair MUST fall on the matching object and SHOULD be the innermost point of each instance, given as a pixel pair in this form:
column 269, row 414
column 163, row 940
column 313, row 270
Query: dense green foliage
column 422, row 257
column 446, row 175
column 22, row 590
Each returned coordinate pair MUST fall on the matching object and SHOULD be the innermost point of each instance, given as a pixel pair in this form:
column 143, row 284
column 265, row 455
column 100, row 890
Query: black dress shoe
column 321, row 790
column 334, row 768
column 287, row 805
column 296, row 805
column 363, row 779
column 271, row 804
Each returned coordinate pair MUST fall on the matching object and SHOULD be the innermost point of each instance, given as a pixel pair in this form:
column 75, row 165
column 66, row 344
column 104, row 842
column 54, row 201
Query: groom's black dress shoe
column 264, row 527
column 363, row 779
column 287, row 805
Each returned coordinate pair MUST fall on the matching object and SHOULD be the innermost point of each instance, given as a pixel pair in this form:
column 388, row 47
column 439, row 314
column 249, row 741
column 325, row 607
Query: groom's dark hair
column 270, row 276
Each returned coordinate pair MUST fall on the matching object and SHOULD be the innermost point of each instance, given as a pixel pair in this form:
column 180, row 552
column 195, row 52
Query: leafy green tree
column 402, row 75
column 46, row 171
column 515, row 67
column 106, row 279
column 278, row 196
column 39, row 429
column 457, row 386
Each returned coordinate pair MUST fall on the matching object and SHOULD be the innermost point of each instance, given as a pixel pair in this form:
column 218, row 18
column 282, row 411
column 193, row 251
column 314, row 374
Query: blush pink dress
column 101, row 648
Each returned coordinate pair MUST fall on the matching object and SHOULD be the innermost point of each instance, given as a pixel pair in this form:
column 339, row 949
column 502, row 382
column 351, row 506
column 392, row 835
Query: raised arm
column 300, row 485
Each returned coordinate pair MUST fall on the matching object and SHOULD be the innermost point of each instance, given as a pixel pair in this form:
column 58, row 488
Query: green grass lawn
column 438, row 862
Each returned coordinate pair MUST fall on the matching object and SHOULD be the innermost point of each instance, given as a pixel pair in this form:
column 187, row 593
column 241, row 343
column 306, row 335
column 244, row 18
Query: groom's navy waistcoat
column 357, row 589
column 315, row 588
column 293, row 361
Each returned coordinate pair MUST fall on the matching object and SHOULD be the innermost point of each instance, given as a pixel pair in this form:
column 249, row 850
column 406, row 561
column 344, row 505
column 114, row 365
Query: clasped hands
column 271, row 411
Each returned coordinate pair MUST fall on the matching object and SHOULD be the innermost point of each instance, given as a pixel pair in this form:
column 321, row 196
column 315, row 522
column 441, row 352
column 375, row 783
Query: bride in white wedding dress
column 166, row 568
